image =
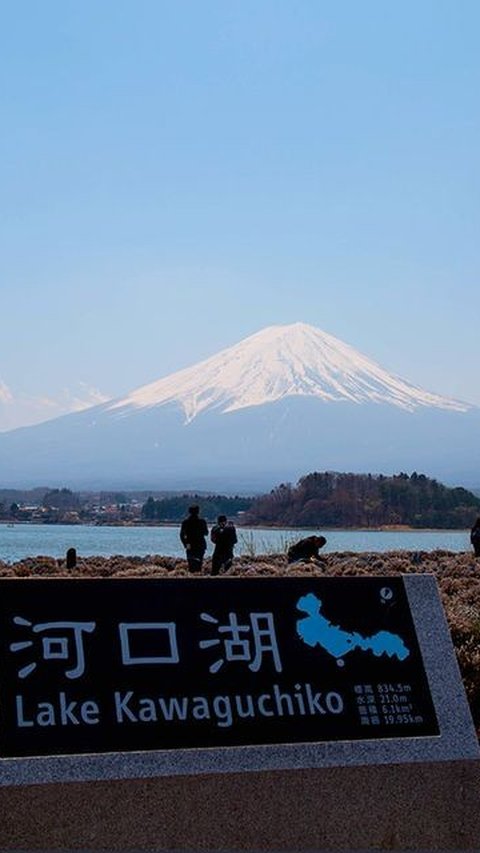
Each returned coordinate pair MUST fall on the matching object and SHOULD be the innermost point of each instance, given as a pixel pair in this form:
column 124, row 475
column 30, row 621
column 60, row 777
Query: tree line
column 175, row 508
column 331, row 499
column 326, row 499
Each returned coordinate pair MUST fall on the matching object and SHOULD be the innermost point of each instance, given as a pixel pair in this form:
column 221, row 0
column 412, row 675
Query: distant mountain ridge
column 286, row 400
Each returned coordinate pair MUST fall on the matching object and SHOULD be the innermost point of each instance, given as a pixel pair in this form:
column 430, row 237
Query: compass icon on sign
column 386, row 594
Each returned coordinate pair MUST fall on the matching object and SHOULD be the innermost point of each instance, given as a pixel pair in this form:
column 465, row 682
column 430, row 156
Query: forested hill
column 174, row 509
column 362, row 500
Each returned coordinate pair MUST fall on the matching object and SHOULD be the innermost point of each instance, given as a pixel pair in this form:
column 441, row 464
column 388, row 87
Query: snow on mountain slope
column 279, row 362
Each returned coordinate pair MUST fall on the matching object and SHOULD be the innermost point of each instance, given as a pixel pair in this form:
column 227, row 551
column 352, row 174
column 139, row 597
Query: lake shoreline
column 26, row 540
column 386, row 528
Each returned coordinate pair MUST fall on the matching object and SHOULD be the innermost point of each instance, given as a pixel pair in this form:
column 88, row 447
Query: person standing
column 224, row 537
column 193, row 533
column 475, row 537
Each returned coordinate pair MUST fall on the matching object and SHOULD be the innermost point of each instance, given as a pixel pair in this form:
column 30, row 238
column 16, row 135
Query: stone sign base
column 420, row 806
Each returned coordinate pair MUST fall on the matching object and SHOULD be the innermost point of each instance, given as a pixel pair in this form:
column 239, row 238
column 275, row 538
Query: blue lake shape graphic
column 316, row 629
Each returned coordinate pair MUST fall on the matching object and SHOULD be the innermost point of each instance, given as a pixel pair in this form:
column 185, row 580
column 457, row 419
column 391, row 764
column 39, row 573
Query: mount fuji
column 284, row 401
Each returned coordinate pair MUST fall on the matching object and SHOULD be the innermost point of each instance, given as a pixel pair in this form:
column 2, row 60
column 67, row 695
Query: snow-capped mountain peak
column 279, row 362
column 284, row 402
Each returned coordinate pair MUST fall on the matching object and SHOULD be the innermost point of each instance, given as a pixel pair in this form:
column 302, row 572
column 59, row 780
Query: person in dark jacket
column 193, row 533
column 475, row 537
column 306, row 549
column 224, row 537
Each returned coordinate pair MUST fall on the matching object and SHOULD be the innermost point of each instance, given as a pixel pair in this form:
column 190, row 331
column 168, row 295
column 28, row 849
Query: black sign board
column 117, row 665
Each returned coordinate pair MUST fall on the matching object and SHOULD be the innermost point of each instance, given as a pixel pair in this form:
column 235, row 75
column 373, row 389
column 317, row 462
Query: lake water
column 30, row 540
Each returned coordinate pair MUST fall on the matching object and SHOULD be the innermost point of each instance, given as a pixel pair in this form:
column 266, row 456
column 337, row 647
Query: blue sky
column 177, row 175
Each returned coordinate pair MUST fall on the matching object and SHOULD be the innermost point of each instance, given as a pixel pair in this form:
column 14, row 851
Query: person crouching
column 306, row 550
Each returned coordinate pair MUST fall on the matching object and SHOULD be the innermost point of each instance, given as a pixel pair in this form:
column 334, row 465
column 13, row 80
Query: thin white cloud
column 89, row 397
column 6, row 395
column 20, row 410
column 69, row 401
